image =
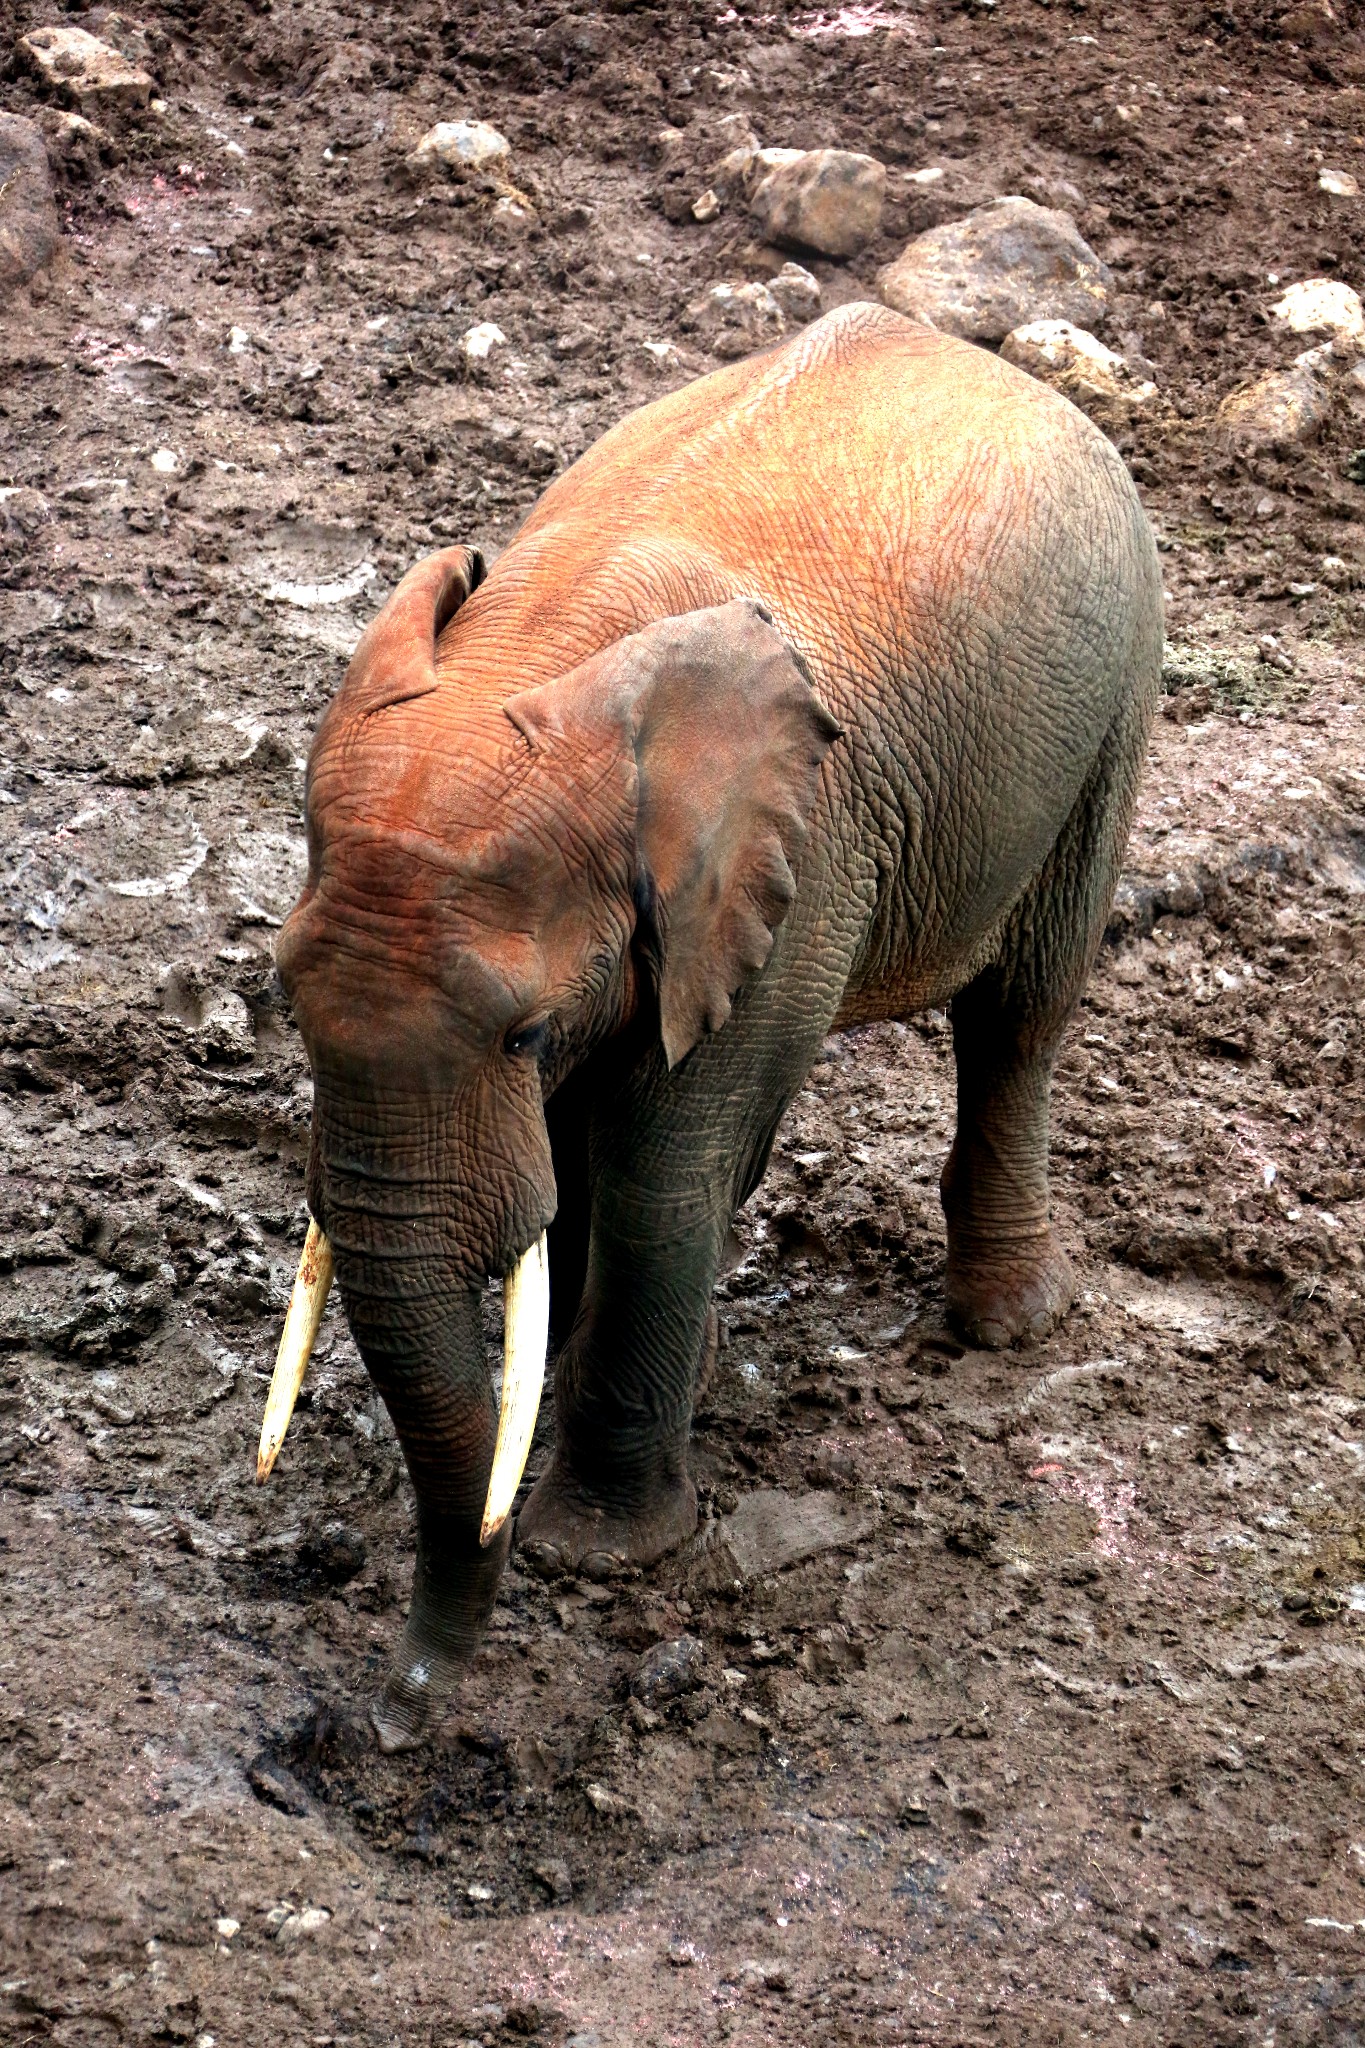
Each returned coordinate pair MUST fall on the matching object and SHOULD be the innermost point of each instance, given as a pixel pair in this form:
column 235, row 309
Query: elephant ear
column 728, row 737
column 396, row 657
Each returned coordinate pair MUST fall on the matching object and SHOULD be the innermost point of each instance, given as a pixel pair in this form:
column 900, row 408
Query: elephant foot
column 1008, row 1296
column 561, row 1530
column 453, row 1590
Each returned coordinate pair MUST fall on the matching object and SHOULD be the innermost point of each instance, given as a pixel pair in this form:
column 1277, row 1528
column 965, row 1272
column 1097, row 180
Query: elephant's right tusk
column 306, row 1305
column 526, row 1329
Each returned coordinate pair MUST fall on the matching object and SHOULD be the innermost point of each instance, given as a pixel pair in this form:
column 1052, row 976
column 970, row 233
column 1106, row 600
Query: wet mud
column 1007, row 1698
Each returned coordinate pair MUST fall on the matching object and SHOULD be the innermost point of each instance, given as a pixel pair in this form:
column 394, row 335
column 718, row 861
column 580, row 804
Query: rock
column 1283, row 408
column 82, row 68
column 741, row 317
column 76, row 148
column 1315, row 23
column 1000, row 267
column 668, row 1671
column 755, row 1975
column 743, row 169
column 29, row 229
column 311, row 1920
column 796, row 292
column 1340, row 184
column 1323, row 305
column 770, row 1530
column 461, row 146
column 707, row 207
column 478, row 343
column 1075, row 363
column 553, row 1877
column 827, row 199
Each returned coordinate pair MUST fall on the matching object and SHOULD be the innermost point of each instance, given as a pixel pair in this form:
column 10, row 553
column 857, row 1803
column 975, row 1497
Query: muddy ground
column 1056, row 1734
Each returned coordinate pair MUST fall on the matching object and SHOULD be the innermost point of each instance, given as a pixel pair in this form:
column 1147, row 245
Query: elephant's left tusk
column 526, row 1329
column 306, row 1305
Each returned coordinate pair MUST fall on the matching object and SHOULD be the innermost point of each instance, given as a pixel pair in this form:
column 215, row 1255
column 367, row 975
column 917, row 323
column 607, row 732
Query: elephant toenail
column 547, row 1560
column 600, row 1565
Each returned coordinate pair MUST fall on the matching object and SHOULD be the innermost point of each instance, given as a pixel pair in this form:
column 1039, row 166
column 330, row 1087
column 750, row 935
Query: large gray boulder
column 998, row 268
column 29, row 228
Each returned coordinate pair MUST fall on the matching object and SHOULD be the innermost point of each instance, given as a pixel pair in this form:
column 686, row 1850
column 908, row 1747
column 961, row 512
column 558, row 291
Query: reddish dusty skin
column 818, row 688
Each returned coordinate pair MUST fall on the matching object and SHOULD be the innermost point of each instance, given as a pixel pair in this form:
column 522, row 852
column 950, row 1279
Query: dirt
column 1027, row 1705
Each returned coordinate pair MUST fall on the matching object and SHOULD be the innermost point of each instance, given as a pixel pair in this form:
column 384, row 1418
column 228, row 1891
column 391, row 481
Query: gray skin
column 815, row 693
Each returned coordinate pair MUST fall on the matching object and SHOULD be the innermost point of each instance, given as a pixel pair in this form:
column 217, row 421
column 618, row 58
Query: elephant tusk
column 306, row 1305
column 526, row 1324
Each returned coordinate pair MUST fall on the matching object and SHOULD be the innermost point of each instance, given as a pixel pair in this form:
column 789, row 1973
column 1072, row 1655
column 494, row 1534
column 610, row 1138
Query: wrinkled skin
column 587, row 891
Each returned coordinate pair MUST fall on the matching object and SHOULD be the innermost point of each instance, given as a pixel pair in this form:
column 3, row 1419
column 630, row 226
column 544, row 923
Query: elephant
column 815, row 693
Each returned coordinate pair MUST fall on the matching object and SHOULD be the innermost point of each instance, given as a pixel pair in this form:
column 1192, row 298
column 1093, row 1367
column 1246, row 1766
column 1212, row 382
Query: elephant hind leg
column 1008, row 1276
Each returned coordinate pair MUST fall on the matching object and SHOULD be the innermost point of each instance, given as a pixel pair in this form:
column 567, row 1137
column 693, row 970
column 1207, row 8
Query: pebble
column 1075, row 363
column 461, row 146
column 707, row 207
column 478, row 343
column 827, row 199
column 796, row 292
column 83, row 68
column 996, row 269
column 1339, row 183
column 29, row 228
column 668, row 1671
column 74, row 145
column 1322, row 305
column 1283, row 408
column 740, row 316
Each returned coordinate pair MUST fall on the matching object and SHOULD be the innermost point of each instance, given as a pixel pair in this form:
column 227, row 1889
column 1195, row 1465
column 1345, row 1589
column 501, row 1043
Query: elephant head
column 496, row 884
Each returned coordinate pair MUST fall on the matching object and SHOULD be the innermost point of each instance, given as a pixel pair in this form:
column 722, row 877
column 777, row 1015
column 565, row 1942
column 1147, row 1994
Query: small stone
column 828, row 199
column 681, row 1955
column 1322, row 305
column 707, row 207
column 76, row 148
column 165, row 461
column 553, row 1877
column 478, row 343
column 763, row 1976
column 1283, row 408
column 668, row 1671
column 82, row 68
column 512, row 212
column 29, row 228
column 741, row 316
column 1074, row 362
column 930, row 175
column 796, row 292
column 607, row 1804
column 480, row 1894
column 1000, row 267
column 461, row 146
column 1339, row 183
column 226, row 1928
column 296, row 1925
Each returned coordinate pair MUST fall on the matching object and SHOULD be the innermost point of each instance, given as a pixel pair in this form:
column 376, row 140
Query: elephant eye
column 527, row 1040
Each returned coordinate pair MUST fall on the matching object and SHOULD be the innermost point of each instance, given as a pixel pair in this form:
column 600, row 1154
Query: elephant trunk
column 420, row 1333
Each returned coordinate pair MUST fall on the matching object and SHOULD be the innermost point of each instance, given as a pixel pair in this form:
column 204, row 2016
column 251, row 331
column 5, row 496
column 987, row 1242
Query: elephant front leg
column 618, row 1488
